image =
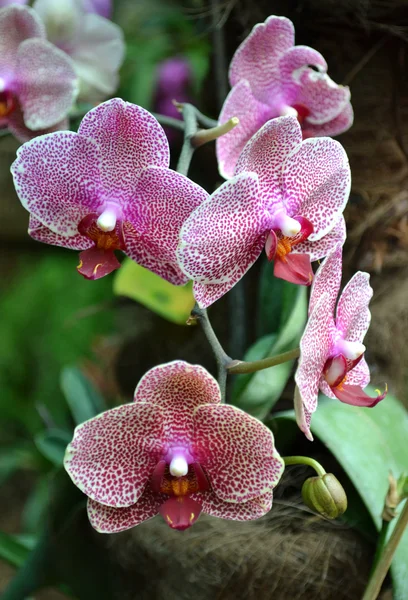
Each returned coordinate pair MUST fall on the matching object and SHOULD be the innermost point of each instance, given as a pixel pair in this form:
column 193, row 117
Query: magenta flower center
column 104, row 239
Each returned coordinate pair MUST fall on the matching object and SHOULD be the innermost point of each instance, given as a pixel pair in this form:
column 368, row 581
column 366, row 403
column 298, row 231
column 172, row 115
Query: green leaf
column 17, row 456
column 12, row 550
column 257, row 393
column 171, row 302
column 369, row 443
column 36, row 506
column 82, row 398
column 52, row 444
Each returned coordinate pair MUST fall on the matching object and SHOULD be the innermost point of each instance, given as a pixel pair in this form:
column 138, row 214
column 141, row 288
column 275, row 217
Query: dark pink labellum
column 356, row 396
column 302, row 112
column 180, row 512
column 157, row 476
column 295, row 268
column 95, row 263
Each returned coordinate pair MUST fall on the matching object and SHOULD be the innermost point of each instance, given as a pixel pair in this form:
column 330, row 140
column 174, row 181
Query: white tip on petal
column 287, row 225
column 351, row 350
column 288, row 111
column 107, row 220
column 178, row 466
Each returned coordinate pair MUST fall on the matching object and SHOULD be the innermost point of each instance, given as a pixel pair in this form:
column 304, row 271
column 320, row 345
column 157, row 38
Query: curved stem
column 384, row 563
column 190, row 129
column 169, row 121
column 304, row 460
column 264, row 363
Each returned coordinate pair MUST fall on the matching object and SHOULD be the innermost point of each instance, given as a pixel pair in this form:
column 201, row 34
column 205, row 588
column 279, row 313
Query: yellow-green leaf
column 172, row 302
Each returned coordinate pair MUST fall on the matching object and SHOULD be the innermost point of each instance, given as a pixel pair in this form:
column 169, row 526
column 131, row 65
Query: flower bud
column 325, row 495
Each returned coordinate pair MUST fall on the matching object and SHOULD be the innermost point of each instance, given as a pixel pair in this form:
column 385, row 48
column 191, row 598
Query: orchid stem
column 169, row 121
column 190, row 129
column 264, row 363
column 305, row 460
column 381, row 568
column 220, row 355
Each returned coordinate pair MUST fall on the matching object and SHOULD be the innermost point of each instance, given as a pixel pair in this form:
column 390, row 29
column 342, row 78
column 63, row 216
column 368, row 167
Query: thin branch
column 384, row 563
column 169, row 121
column 190, row 129
column 304, row 460
column 264, row 363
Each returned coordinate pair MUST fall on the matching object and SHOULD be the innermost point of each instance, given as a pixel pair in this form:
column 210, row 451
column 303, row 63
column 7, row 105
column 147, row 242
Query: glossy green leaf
column 369, row 443
column 52, row 444
column 82, row 398
column 12, row 550
column 171, row 302
column 258, row 392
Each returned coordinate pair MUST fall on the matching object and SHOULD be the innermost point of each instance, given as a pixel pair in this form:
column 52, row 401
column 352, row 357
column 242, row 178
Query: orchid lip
column 351, row 350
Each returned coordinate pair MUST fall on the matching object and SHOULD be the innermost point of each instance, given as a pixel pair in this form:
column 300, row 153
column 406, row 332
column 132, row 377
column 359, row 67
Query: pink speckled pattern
column 57, row 178
column 280, row 78
column 353, row 315
column 113, row 455
column 266, row 154
column 322, row 335
column 252, row 115
column 40, row 78
column 316, row 183
column 178, row 388
column 120, row 457
column 257, row 58
column 223, row 237
column 39, row 232
column 110, row 519
column 244, row 466
column 317, row 249
column 118, row 161
column 277, row 174
column 161, row 192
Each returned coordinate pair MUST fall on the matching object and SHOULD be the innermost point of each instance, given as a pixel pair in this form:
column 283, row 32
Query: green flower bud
column 325, row 495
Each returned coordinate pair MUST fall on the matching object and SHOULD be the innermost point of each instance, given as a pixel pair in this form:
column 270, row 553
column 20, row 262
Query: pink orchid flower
column 95, row 44
column 270, row 77
column 99, row 7
column 38, row 84
column 176, row 450
column 332, row 349
column 106, row 188
column 287, row 195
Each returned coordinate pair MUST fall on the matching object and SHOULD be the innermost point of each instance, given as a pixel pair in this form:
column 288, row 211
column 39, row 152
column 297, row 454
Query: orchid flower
column 8, row 2
column 38, row 84
column 287, row 195
column 270, row 77
column 176, row 450
column 331, row 348
column 106, row 188
column 94, row 44
column 99, row 7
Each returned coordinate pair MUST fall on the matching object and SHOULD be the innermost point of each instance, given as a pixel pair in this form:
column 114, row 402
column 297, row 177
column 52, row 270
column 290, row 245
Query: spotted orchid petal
column 243, row 511
column 111, row 519
column 129, row 139
column 265, row 153
column 323, row 98
column 57, row 178
column 244, row 465
column 315, row 346
column 178, row 388
column 359, row 375
column 257, row 58
column 223, row 237
column 327, row 280
column 113, row 455
column 165, row 199
column 41, row 233
column 302, row 415
column 353, row 315
column 252, row 114
column 17, row 23
column 341, row 123
column 319, row 248
column 316, row 183
column 46, row 83
column 16, row 125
